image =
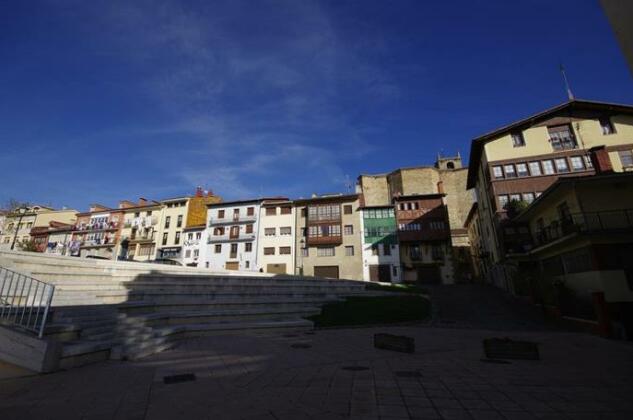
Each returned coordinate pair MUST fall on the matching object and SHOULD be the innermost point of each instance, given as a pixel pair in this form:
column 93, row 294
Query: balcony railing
column 232, row 219
column 325, row 240
column 230, row 238
column 591, row 222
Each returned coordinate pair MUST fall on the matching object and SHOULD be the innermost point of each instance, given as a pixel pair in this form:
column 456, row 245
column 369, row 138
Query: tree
column 12, row 204
column 28, row 245
column 514, row 207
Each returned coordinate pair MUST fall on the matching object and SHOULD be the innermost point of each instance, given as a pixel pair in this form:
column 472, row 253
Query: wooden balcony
column 324, row 240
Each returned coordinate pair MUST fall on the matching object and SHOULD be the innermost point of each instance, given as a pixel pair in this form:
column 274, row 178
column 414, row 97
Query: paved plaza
column 337, row 374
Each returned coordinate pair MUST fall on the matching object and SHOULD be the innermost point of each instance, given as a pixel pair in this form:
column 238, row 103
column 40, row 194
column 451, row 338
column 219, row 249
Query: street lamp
column 21, row 211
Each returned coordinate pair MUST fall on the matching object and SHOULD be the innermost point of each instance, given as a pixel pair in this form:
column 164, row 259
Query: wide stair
column 124, row 310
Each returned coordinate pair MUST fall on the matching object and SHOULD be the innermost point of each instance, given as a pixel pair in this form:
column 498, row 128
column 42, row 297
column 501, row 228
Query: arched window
column 450, row 165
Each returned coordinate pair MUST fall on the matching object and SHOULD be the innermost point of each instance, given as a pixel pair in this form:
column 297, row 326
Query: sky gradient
column 108, row 100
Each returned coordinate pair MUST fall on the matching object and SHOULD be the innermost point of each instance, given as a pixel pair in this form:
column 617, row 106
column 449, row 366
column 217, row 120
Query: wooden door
column 276, row 268
column 380, row 272
column 326, row 271
column 232, row 265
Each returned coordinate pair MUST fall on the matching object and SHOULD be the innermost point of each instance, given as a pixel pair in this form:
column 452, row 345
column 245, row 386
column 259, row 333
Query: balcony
column 247, row 237
column 139, row 222
column 232, row 220
column 615, row 221
column 325, row 240
column 98, row 226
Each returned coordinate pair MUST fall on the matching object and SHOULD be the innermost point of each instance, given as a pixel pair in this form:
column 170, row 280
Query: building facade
column 511, row 167
column 96, row 233
column 380, row 247
column 231, row 235
column 18, row 225
column 170, row 228
column 328, row 239
column 448, row 178
column 140, row 226
column 276, row 239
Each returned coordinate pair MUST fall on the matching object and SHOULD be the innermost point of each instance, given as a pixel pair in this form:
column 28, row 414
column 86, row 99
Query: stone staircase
column 124, row 310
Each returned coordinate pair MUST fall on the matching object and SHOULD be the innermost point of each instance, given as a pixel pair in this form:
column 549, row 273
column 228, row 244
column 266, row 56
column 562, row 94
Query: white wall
column 276, row 241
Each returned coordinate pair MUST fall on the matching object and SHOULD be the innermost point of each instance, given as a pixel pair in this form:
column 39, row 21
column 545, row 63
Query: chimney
column 142, row 201
column 600, row 160
column 209, row 193
column 199, row 192
column 440, row 187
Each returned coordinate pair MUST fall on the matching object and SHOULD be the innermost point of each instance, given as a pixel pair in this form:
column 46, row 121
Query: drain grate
column 408, row 374
column 176, row 379
column 355, row 368
column 300, row 346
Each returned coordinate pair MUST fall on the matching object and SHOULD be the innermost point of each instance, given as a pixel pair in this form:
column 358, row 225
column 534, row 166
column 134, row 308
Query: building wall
column 375, row 190
column 172, row 209
column 380, row 242
column 499, row 151
column 194, row 240
column 141, row 249
column 245, row 260
column 276, row 241
column 350, row 267
column 63, row 216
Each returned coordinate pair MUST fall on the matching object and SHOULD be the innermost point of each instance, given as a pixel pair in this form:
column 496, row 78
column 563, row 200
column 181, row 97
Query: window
column 548, row 167
column 576, row 163
column 347, row 209
column 236, row 213
column 509, row 170
column 188, row 253
column 626, row 158
column 198, row 235
column 325, row 251
column 349, row 251
column 588, row 163
column 303, row 232
column 414, row 252
column 535, row 168
column 561, row 137
column 437, row 225
column 179, row 221
column 248, row 247
column 374, row 250
column 271, row 211
column 285, row 210
column 607, row 126
column 284, row 250
column 247, row 264
column 561, row 165
column 515, row 197
column 190, row 236
column 304, row 252
column 386, row 249
column 249, row 228
column 324, row 212
column 503, row 201
column 196, row 253
column 522, row 169
column 303, row 212
column 269, row 250
column 167, row 222
column 497, row 172
column 218, row 248
column 177, row 241
column 437, row 252
column 528, row 197
column 220, row 214
column 219, row 231
column 270, row 231
column 517, row 139
column 165, row 238
column 250, row 211
column 285, row 230
column 348, row 230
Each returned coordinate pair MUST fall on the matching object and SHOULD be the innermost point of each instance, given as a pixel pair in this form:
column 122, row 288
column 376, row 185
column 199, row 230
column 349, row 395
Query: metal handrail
column 588, row 222
column 24, row 301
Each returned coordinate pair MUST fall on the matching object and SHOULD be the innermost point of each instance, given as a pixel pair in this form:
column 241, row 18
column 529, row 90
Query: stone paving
column 338, row 374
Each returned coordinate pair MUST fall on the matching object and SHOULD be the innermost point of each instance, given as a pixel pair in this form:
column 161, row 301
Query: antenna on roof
column 570, row 95
column 348, row 184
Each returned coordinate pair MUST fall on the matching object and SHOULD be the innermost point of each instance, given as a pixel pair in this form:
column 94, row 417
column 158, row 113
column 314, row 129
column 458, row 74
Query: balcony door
column 233, row 251
column 234, row 232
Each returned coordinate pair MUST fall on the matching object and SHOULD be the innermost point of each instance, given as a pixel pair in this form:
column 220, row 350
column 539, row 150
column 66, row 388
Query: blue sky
column 109, row 100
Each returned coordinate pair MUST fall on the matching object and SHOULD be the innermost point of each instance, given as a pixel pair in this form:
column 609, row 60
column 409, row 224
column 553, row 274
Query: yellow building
column 580, row 244
column 511, row 166
column 140, row 224
column 32, row 217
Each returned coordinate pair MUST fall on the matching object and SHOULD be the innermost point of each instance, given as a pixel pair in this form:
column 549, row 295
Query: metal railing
column 589, row 222
column 24, row 301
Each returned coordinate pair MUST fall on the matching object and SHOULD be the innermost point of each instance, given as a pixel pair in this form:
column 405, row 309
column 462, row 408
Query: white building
column 275, row 244
column 193, row 246
column 381, row 253
column 232, row 230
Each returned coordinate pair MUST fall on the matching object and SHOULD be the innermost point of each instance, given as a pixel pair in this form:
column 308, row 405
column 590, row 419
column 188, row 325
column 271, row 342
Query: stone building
column 446, row 178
